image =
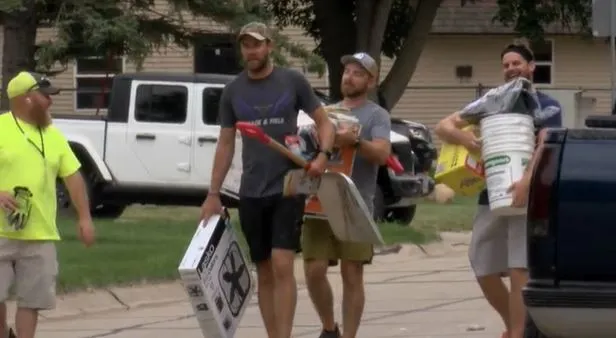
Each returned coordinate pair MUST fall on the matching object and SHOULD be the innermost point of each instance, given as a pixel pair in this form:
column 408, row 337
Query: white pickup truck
column 156, row 146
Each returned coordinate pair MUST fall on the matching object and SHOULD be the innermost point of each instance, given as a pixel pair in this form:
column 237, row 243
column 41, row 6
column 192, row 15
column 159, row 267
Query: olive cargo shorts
column 33, row 267
column 319, row 242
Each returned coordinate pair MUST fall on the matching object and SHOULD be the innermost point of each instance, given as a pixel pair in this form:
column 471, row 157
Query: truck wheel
column 379, row 205
column 105, row 211
column 403, row 216
column 62, row 199
column 108, row 211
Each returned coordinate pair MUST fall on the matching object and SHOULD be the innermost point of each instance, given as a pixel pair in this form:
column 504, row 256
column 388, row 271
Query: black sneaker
column 331, row 334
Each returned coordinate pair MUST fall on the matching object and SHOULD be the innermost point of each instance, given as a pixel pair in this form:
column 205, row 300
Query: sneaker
column 12, row 333
column 331, row 334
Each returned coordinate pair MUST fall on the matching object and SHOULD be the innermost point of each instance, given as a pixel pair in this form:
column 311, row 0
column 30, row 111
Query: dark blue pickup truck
column 572, row 234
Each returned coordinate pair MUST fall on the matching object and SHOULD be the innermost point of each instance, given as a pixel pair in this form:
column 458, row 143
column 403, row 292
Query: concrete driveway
column 406, row 297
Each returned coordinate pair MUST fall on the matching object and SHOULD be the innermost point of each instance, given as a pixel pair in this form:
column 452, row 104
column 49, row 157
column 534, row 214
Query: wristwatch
column 328, row 154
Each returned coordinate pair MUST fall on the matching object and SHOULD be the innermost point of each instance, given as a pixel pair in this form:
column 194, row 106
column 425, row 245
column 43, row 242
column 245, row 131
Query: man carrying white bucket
column 498, row 244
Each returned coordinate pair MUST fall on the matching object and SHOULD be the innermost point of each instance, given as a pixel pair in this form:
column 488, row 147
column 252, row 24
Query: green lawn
column 147, row 242
column 455, row 216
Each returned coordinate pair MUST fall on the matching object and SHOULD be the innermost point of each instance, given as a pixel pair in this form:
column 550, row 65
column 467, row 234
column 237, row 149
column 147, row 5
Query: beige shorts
column 497, row 243
column 32, row 267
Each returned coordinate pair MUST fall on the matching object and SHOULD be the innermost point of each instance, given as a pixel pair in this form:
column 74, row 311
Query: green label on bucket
column 496, row 161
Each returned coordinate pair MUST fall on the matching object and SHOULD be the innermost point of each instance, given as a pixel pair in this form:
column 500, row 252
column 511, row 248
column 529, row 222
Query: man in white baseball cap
column 364, row 60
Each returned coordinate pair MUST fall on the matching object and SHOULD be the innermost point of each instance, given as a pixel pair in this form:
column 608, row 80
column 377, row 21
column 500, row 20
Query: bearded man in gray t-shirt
column 320, row 246
column 269, row 97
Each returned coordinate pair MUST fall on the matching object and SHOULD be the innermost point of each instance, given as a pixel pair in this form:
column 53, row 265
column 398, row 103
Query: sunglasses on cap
column 44, row 87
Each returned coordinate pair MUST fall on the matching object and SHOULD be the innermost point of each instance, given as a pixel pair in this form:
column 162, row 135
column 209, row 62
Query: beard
column 41, row 117
column 43, row 121
column 353, row 92
column 256, row 67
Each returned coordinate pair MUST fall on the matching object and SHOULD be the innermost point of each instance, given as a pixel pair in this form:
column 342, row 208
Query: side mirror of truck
column 601, row 121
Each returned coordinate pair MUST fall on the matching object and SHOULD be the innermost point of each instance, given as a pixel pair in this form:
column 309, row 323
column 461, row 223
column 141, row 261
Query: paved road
column 418, row 297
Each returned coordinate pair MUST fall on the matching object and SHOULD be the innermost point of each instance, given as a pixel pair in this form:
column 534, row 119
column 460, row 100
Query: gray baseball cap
column 364, row 60
column 257, row 30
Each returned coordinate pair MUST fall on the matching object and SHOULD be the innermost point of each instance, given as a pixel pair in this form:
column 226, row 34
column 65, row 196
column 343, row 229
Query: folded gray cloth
column 515, row 96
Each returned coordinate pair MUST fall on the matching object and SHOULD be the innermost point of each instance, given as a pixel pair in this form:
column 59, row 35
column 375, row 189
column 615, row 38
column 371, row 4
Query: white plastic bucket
column 505, row 147
column 510, row 139
column 501, row 130
column 507, row 120
column 508, row 142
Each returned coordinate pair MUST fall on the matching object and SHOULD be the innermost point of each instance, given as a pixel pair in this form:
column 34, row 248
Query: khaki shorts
column 33, row 267
column 498, row 243
column 319, row 242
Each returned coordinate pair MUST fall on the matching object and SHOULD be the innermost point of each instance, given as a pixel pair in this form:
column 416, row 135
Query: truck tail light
column 542, row 189
column 541, row 218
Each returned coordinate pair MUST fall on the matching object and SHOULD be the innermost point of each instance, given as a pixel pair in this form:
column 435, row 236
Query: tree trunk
column 372, row 16
column 19, row 45
column 401, row 72
column 337, row 29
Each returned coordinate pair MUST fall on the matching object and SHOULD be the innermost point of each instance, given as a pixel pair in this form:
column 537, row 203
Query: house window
column 93, row 79
column 161, row 104
column 211, row 104
column 544, row 57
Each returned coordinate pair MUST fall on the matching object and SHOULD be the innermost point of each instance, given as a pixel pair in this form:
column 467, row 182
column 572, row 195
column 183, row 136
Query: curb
column 113, row 299
column 117, row 299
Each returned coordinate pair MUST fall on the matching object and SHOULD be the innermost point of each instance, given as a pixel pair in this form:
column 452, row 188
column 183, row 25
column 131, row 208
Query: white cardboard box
column 217, row 278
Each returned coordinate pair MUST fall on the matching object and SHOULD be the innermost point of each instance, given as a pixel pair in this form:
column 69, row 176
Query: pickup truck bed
column 572, row 236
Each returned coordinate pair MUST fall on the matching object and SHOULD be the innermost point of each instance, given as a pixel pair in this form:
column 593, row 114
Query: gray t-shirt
column 375, row 124
column 272, row 103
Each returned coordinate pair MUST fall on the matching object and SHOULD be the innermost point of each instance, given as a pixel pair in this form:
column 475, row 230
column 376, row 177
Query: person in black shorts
column 270, row 97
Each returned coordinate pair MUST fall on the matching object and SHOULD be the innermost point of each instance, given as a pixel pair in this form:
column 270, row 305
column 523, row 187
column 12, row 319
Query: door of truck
column 160, row 129
column 206, row 126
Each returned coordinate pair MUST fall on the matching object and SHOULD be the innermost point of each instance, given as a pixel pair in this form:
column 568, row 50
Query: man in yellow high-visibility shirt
column 33, row 153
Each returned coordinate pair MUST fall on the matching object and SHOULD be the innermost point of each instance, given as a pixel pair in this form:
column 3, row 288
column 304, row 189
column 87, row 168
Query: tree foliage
column 528, row 18
column 132, row 28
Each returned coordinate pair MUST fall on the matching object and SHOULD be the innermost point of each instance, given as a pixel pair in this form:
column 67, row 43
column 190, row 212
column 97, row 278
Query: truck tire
column 62, row 199
column 105, row 211
column 108, row 211
column 403, row 215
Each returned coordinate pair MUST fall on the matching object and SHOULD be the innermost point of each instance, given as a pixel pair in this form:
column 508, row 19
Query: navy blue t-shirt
column 550, row 108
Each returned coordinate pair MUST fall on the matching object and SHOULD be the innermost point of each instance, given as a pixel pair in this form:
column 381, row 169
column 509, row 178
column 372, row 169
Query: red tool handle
column 253, row 131
column 394, row 164
column 257, row 133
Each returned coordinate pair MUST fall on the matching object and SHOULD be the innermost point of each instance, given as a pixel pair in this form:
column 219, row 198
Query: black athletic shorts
column 272, row 222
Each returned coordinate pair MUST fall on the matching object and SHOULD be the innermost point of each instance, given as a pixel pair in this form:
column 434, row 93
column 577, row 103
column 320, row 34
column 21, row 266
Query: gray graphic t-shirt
column 375, row 124
column 273, row 104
